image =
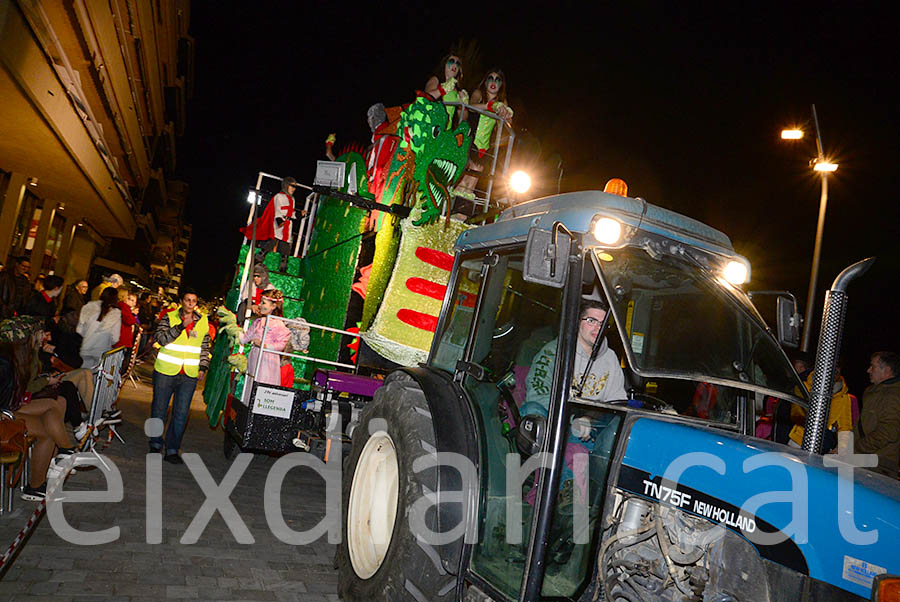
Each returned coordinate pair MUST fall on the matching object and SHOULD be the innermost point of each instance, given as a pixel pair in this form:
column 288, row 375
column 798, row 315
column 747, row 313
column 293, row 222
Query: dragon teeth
column 448, row 168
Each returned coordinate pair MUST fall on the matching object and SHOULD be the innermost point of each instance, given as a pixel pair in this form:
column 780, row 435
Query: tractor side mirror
column 547, row 256
column 788, row 321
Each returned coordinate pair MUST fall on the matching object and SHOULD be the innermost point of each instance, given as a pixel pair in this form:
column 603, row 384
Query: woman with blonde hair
column 127, row 304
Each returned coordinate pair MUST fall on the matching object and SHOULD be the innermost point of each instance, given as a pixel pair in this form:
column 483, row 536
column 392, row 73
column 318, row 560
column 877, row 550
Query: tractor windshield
column 680, row 322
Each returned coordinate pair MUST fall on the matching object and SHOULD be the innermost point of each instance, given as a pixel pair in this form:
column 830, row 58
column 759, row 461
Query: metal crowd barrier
column 107, row 384
column 132, row 361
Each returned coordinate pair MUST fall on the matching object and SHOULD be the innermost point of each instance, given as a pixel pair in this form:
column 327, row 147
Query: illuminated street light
column 251, row 196
column 823, row 167
column 520, row 182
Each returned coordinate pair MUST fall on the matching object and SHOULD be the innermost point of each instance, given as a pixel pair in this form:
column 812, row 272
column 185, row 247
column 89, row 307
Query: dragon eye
column 435, row 131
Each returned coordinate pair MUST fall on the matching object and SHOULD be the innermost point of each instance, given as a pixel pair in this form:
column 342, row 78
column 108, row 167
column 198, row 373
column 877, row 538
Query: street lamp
column 823, row 167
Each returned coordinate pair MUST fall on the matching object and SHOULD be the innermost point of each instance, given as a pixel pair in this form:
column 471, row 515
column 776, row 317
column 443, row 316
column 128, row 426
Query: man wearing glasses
column 604, row 380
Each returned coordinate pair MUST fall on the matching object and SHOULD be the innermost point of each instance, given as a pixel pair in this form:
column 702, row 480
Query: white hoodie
column 604, row 382
column 99, row 336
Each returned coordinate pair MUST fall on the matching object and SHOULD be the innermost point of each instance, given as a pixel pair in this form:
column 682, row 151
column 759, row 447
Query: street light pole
column 814, row 273
column 820, row 227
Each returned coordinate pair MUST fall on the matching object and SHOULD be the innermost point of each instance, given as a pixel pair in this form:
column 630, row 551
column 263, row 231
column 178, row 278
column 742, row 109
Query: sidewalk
column 214, row 568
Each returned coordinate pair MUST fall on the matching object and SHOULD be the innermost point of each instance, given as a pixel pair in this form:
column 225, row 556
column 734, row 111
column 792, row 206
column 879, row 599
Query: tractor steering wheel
column 655, row 402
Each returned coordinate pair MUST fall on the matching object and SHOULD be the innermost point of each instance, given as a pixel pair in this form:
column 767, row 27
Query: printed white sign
column 273, row 402
column 861, row 572
column 637, row 342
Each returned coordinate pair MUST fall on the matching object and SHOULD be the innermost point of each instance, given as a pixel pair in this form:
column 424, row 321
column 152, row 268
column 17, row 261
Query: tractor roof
column 576, row 210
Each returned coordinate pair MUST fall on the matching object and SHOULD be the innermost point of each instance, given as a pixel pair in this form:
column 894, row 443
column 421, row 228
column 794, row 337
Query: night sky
column 686, row 105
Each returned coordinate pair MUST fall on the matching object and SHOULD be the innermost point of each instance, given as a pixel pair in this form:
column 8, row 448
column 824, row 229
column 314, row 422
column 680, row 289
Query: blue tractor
column 460, row 486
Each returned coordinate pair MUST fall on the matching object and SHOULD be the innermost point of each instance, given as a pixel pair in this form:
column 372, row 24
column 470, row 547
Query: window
column 679, row 322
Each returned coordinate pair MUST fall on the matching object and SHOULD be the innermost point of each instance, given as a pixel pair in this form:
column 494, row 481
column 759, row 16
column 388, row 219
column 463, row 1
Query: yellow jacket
column 840, row 413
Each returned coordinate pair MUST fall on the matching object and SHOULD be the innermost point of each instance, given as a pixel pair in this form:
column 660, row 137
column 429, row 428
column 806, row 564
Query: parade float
column 367, row 276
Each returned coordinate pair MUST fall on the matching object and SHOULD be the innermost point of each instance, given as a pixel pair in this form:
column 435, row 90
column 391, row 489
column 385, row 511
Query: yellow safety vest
column 183, row 351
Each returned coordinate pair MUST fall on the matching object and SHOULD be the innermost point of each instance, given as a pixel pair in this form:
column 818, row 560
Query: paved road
column 216, row 567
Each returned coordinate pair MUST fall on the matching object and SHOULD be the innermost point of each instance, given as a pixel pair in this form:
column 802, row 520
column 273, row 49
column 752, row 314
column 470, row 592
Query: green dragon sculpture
column 429, row 159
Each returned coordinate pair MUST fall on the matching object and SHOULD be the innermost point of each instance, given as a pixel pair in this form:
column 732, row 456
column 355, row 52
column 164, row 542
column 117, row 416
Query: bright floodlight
column 607, row 230
column 735, row 272
column 791, row 134
column 520, row 182
column 251, row 196
column 825, row 166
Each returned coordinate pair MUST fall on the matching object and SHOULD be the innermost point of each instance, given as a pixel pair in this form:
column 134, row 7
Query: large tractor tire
column 379, row 557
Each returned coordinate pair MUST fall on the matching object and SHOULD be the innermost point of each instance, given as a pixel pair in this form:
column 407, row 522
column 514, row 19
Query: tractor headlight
column 606, row 230
column 736, row 272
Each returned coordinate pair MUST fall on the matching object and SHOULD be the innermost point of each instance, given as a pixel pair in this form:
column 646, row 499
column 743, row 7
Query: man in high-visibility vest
column 183, row 357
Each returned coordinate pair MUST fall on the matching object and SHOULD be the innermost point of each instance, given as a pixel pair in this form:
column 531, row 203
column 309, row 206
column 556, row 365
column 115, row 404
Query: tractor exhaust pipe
column 827, row 354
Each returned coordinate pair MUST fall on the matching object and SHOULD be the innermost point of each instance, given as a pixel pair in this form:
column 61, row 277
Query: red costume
column 280, row 207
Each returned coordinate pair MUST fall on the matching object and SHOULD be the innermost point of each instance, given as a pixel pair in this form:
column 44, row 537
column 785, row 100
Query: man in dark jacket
column 14, row 287
column 878, row 428
column 43, row 303
column 74, row 300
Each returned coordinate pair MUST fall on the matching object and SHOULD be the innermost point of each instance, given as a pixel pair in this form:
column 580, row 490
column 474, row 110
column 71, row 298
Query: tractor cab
column 684, row 339
column 582, row 429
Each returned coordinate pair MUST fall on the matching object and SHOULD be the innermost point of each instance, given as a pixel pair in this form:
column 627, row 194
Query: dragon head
column 440, row 154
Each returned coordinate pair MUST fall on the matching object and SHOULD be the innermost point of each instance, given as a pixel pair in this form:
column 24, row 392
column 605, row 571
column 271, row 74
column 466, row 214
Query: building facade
column 94, row 97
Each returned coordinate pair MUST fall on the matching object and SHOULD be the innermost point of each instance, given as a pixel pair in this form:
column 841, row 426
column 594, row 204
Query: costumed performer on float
column 273, row 227
column 254, row 288
column 489, row 96
column 277, row 337
column 450, row 70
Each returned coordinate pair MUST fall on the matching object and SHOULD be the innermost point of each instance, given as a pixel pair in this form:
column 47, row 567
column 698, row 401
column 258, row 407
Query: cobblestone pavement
column 216, row 567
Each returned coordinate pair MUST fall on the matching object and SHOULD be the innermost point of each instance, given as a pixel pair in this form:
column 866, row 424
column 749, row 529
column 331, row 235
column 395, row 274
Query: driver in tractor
column 597, row 376
column 598, row 380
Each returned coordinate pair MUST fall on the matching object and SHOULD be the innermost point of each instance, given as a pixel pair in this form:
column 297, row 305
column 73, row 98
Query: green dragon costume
column 410, row 274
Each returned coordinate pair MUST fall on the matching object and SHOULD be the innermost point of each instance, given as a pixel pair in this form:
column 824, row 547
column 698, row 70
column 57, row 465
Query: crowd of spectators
column 54, row 338
column 870, row 425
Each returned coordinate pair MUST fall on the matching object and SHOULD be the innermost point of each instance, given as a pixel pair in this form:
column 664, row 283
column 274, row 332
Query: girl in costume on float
column 276, row 338
column 489, row 96
column 255, row 286
column 445, row 84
